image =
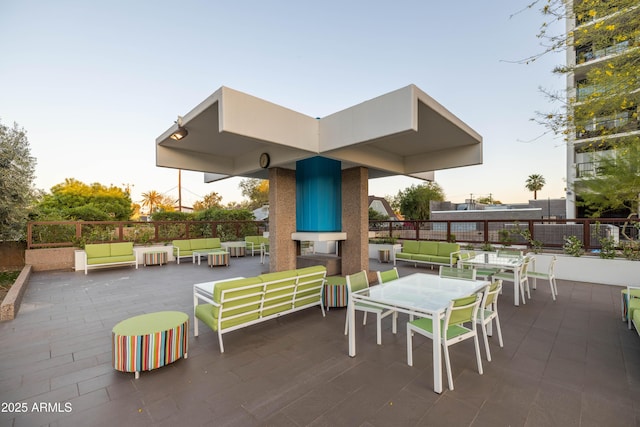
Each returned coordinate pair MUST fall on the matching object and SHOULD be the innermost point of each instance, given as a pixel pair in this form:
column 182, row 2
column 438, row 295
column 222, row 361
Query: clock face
column 264, row 160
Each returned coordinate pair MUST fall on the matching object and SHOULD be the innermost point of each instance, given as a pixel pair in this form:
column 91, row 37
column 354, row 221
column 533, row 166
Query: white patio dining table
column 492, row 260
column 421, row 294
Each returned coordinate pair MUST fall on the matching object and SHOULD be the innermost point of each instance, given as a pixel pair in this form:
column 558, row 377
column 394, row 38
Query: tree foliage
column 151, row 199
column 534, row 183
column 211, row 200
column 257, row 191
column 16, row 181
column 601, row 115
column 617, row 185
column 413, row 202
column 75, row 200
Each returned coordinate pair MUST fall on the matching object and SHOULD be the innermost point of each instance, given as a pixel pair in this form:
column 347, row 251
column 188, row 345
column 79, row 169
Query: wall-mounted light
column 181, row 132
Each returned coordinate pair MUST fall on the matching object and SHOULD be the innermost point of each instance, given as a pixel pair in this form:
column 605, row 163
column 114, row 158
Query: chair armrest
column 207, row 299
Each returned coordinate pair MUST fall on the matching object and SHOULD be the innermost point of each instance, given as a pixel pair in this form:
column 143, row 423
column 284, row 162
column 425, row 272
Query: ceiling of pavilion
column 404, row 132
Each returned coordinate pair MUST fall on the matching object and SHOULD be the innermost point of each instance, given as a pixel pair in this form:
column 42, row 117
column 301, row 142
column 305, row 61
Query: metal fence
column 55, row 234
column 545, row 233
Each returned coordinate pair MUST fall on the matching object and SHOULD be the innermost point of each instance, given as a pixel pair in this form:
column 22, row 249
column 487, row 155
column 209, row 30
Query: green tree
column 257, row 191
column 16, row 182
column 211, row 200
column 377, row 216
column 151, row 199
column 413, row 202
column 488, row 200
column 616, row 187
column 534, row 183
column 76, row 200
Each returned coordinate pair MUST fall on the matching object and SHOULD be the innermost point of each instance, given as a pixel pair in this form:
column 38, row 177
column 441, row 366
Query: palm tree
column 151, row 198
column 534, row 183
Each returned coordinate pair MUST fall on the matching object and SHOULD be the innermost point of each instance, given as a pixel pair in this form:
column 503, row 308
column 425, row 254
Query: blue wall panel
column 318, row 195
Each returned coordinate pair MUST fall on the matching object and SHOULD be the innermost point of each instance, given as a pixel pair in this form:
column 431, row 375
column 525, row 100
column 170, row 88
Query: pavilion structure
column 318, row 168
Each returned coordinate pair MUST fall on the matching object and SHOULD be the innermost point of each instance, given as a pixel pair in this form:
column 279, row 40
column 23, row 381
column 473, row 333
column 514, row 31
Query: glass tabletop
column 492, row 259
column 427, row 293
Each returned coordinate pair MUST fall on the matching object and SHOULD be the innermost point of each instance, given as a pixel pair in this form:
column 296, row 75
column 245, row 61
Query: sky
column 95, row 83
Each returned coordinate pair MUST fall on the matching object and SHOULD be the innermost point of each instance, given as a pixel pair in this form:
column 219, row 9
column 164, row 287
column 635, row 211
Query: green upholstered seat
column 460, row 311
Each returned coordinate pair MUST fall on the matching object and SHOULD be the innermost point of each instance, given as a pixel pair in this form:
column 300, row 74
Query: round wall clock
column 264, row 160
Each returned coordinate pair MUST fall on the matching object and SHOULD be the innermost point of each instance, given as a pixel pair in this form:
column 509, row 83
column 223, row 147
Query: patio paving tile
column 569, row 362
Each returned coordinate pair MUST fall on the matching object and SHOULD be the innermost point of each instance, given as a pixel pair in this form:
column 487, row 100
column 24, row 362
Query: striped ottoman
column 218, row 258
column 335, row 292
column 149, row 341
column 155, row 258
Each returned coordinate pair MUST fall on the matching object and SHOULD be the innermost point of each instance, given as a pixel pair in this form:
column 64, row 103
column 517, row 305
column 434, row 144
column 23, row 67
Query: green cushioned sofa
column 428, row 252
column 184, row 248
column 99, row 255
column 241, row 302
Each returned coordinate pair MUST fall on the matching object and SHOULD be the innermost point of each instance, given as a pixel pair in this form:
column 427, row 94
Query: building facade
column 600, row 36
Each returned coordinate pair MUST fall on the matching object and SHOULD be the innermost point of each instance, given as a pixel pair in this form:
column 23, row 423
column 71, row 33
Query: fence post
column 486, row 232
column 586, row 234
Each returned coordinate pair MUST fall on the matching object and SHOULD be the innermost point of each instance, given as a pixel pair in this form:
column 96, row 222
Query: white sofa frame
column 260, row 289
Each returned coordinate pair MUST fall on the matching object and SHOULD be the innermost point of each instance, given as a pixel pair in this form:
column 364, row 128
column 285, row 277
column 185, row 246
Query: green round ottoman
column 150, row 341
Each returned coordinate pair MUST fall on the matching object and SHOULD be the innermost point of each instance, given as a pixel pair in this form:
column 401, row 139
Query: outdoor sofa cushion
column 427, row 251
column 106, row 253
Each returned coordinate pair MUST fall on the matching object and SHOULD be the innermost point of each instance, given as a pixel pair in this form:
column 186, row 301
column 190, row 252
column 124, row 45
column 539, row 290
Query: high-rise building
column 601, row 35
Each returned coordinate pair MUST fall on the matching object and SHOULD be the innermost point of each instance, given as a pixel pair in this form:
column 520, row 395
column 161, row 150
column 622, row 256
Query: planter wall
column 592, row 269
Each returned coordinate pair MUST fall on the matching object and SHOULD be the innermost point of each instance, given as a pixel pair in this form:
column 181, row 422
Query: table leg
column 437, row 354
column 516, row 288
column 352, row 328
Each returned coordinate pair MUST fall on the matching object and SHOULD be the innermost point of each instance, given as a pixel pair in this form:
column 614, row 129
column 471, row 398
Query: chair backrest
column 357, row 281
column 491, row 293
column 458, row 273
column 462, row 310
column 509, row 253
column 387, row 276
column 524, row 267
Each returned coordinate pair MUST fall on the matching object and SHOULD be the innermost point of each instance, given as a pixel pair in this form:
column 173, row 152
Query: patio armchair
column 488, row 312
column 631, row 306
column 387, row 276
column 460, row 311
column 522, row 277
column 549, row 275
column 357, row 282
column 510, row 253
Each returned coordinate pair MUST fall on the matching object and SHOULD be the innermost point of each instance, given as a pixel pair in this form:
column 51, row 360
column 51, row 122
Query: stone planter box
column 375, row 247
column 592, row 269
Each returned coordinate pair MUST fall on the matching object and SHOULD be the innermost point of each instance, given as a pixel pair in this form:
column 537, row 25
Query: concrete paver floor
column 566, row 363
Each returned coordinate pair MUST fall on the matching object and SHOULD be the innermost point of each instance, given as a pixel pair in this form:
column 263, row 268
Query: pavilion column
column 355, row 220
column 282, row 219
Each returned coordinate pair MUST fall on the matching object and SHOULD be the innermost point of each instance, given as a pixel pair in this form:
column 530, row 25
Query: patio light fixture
column 181, row 132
